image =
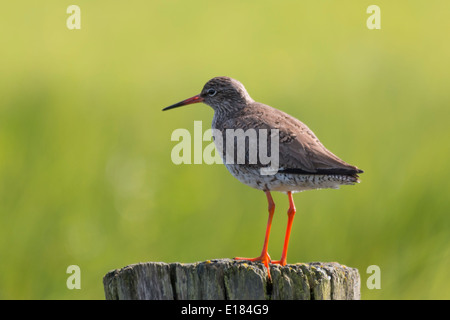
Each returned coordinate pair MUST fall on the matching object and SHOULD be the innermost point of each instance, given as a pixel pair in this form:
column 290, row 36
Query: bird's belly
column 285, row 182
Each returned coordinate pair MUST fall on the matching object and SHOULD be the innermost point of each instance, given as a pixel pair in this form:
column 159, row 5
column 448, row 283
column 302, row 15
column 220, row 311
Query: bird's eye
column 211, row 92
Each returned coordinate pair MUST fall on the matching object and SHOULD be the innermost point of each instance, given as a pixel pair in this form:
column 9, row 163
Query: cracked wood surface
column 226, row 279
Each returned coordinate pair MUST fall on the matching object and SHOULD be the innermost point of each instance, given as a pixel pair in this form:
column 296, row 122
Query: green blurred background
column 86, row 176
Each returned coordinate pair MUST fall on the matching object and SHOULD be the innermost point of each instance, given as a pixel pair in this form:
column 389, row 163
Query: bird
column 304, row 163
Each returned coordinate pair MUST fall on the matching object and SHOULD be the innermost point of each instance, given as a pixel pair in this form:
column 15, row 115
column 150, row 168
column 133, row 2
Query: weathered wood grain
column 226, row 279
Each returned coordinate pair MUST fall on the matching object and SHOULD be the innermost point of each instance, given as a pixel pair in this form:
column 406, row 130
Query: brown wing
column 300, row 151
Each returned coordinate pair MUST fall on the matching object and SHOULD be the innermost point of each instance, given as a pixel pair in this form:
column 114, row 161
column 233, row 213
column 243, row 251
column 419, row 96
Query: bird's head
column 223, row 94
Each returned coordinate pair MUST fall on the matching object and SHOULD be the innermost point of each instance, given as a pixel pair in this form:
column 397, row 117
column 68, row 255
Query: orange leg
column 291, row 214
column 264, row 257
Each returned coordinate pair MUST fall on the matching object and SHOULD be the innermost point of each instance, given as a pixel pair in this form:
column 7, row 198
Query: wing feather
column 300, row 151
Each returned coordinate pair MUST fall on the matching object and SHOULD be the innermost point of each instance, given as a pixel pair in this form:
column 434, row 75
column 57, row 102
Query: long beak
column 194, row 99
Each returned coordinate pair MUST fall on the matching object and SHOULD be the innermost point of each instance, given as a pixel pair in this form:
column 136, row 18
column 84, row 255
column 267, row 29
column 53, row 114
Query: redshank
column 303, row 161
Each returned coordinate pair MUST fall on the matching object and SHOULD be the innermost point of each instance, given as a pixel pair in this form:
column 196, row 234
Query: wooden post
column 226, row 279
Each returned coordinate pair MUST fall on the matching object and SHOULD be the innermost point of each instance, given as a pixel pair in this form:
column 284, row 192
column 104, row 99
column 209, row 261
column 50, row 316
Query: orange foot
column 264, row 258
column 281, row 262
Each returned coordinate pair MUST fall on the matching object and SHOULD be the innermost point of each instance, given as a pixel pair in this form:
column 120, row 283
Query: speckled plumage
column 304, row 162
